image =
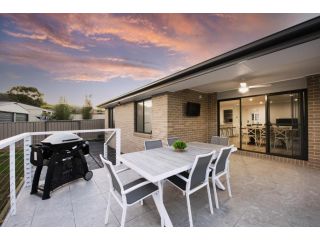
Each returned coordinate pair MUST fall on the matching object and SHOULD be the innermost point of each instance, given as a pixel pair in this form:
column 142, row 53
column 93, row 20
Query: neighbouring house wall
column 124, row 119
column 184, row 127
column 313, row 84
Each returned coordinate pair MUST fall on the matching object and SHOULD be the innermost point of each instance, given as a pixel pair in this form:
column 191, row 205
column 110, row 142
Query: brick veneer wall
column 188, row 128
column 124, row 119
column 313, row 85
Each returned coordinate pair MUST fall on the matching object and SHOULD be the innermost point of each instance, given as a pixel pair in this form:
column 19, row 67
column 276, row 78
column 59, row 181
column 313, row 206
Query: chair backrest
column 152, row 144
column 224, row 141
column 251, row 131
column 172, row 140
column 222, row 162
column 200, row 170
column 215, row 140
column 115, row 181
column 220, row 140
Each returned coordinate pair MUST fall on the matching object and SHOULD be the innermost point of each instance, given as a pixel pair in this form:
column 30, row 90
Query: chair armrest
column 182, row 177
column 136, row 187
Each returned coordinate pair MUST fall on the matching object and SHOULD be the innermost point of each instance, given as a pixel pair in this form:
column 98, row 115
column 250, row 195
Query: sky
column 105, row 55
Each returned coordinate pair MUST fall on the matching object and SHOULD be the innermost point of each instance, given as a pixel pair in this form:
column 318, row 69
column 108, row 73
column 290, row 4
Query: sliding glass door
column 271, row 123
column 286, row 124
column 253, row 120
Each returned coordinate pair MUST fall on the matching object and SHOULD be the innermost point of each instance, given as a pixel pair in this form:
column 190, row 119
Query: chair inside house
column 281, row 135
column 191, row 182
column 224, row 141
column 252, row 134
column 128, row 194
column 221, row 168
column 262, row 136
column 152, row 144
column 172, row 140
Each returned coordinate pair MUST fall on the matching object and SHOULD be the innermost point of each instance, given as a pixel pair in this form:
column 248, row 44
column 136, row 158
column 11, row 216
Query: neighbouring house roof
column 298, row 34
column 12, row 107
column 30, row 108
column 7, row 106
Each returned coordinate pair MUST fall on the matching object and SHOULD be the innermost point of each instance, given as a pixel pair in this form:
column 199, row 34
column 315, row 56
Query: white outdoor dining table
column 158, row 164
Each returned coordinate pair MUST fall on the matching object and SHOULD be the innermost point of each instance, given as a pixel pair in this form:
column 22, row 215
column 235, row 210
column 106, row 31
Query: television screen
column 193, row 109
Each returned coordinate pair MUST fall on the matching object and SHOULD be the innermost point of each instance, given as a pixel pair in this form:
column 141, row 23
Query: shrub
column 62, row 111
column 179, row 145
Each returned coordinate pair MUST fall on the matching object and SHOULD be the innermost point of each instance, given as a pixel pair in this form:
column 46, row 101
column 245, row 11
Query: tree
column 62, row 110
column 26, row 95
column 87, row 108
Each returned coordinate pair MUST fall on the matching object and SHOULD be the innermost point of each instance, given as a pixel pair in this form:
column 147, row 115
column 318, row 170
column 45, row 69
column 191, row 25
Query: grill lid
column 61, row 138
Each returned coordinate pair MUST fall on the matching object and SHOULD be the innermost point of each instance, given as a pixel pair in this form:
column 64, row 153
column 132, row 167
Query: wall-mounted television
column 193, row 109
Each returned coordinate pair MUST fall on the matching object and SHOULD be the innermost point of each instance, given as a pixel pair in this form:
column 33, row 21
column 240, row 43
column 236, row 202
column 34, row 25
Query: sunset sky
column 104, row 55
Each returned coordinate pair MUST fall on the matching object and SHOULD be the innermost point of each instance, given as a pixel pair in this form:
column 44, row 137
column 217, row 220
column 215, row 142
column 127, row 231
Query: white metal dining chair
column 221, row 168
column 198, row 178
column 126, row 195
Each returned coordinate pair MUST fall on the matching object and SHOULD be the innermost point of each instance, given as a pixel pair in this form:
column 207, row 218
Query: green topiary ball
column 179, row 145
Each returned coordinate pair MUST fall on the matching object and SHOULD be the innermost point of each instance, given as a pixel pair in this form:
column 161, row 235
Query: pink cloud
column 190, row 37
column 68, row 67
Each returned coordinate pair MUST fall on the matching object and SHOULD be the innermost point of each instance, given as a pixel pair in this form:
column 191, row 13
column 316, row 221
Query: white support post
column 105, row 150
column 12, row 179
column 27, row 164
column 118, row 145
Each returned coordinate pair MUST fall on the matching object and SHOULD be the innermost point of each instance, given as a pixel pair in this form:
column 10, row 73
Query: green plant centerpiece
column 179, row 146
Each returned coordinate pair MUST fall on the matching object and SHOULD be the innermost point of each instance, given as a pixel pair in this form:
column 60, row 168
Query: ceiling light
column 243, row 88
column 250, row 99
column 260, row 102
column 296, row 99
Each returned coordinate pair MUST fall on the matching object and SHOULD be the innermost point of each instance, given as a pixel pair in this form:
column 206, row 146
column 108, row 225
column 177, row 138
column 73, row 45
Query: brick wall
column 124, row 119
column 313, row 84
column 191, row 128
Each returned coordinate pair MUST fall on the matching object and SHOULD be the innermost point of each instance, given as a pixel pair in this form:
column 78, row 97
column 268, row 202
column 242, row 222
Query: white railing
column 27, row 138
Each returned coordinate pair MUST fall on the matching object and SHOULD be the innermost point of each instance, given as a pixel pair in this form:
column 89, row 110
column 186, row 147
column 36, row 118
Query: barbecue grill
column 63, row 154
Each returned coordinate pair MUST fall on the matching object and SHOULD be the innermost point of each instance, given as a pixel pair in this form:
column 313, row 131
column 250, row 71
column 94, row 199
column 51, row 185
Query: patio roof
column 289, row 54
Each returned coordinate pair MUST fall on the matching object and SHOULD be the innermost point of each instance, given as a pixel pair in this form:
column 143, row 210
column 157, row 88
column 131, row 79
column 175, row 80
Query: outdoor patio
column 265, row 193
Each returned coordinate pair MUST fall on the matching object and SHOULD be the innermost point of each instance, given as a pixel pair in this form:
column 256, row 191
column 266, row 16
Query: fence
column 15, row 166
column 9, row 129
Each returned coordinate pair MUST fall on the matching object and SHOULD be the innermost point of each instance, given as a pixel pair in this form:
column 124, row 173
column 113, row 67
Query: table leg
column 158, row 199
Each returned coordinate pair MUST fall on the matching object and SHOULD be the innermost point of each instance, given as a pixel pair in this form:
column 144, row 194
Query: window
column 111, row 118
column 21, row 117
column 143, row 114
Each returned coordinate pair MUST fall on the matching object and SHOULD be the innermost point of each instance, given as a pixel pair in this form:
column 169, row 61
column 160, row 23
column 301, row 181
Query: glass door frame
column 304, row 122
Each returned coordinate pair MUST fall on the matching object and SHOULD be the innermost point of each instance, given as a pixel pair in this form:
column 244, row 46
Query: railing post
column 12, row 179
column 118, row 145
column 27, row 164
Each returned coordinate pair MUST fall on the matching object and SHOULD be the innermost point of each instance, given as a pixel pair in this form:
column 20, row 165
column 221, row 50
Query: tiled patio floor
column 265, row 193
